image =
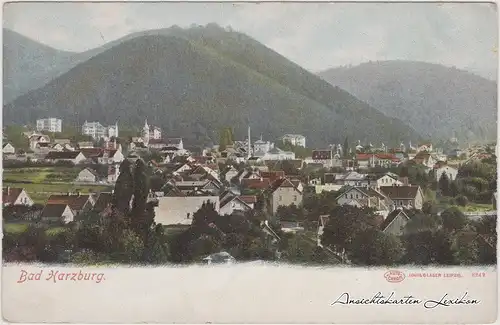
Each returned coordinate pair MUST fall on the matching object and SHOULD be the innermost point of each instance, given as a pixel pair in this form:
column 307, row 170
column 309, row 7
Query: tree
column 453, row 219
column 461, row 200
column 454, row 188
column 124, row 188
column 299, row 249
column 429, row 208
column 344, row 223
column 373, row 247
column 141, row 191
column 444, row 184
column 290, row 213
column 467, row 249
column 421, row 221
column 205, row 215
column 157, row 183
column 225, row 138
column 346, row 148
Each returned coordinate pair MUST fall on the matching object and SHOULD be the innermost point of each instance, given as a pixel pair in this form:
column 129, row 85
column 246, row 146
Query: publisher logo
column 394, row 276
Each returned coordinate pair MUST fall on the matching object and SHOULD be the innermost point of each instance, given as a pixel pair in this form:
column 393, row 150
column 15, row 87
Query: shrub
column 462, row 200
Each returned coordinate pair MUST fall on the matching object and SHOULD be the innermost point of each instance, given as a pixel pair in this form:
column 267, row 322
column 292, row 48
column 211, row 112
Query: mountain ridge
column 434, row 99
column 198, row 88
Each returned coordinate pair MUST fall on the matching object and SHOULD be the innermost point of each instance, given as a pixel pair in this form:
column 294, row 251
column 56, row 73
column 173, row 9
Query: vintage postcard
column 274, row 162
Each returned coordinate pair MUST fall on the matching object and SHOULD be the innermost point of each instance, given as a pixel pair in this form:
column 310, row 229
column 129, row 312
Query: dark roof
column 104, row 199
column 62, row 154
column 76, row 202
column 283, row 182
column 391, row 217
column 248, row 199
column 91, row 152
column 173, row 141
column 53, row 210
column 322, row 154
column 10, row 194
column 91, row 170
column 251, row 183
column 273, row 175
column 400, row 192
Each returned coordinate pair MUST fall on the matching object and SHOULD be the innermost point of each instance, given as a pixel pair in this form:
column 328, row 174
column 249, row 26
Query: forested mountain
column 194, row 81
column 28, row 65
column 435, row 100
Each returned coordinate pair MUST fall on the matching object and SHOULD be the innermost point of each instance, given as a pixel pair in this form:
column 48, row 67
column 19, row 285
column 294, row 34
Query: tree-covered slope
column 28, row 64
column 435, row 100
column 193, row 82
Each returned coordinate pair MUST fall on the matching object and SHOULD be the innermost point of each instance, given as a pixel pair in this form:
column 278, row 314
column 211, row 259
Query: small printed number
column 478, row 275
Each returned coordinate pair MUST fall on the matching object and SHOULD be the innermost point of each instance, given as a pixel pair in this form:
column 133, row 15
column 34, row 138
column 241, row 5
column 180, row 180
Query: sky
column 316, row 36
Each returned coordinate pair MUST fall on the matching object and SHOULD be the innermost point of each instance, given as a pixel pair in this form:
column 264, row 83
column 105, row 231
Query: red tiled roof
column 255, row 183
column 53, row 210
column 368, row 156
column 62, row 154
column 248, row 199
column 400, row 192
column 321, row 154
column 273, row 175
column 10, row 194
column 282, row 182
column 75, row 202
column 91, row 152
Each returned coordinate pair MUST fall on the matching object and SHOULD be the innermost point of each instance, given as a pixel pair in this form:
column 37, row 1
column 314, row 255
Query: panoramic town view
column 208, row 143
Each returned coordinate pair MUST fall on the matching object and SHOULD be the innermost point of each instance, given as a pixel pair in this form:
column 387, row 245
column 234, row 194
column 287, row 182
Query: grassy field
column 40, row 192
column 15, row 228
column 476, row 207
column 41, row 174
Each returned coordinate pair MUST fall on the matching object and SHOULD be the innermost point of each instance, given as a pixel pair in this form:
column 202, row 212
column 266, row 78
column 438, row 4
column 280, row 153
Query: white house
column 97, row 131
column 395, row 223
column 295, row 140
column 110, row 157
column 448, row 170
column 50, row 124
column 87, row 175
column 8, row 149
column 15, row 196
column 231, row 204
column 284, row 193
column 424, row 147
column 75, row 157
column 58, row 213
column 113, row 173
column 179, row 210
column 366, row 197
column 37, row 139
column 388, row 179
column 230, row 174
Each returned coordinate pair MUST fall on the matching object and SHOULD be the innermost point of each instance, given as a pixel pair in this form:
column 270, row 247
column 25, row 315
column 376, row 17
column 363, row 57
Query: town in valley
column 98, row 194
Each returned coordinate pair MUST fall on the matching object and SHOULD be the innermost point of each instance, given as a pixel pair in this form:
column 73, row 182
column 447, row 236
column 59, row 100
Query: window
column 351, row 196
column 295, row 197
column 280, row 198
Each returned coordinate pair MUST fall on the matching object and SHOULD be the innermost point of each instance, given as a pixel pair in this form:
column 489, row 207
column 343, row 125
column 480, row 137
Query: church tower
column 145, row 133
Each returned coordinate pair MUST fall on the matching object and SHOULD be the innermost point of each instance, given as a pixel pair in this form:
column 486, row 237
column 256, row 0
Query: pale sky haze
column 317, row 36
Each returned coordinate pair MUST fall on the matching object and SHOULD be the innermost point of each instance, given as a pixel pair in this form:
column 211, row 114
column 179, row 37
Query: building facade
column 295, row 140
column 97, row 131
column 50, row 124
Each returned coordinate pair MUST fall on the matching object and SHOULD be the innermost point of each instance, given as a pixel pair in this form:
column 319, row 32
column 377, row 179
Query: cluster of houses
column 191, row 180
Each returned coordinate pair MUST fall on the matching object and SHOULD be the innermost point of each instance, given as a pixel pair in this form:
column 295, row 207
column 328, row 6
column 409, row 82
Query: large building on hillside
column 97, row 131
column 50, row 124
column 295, row 140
